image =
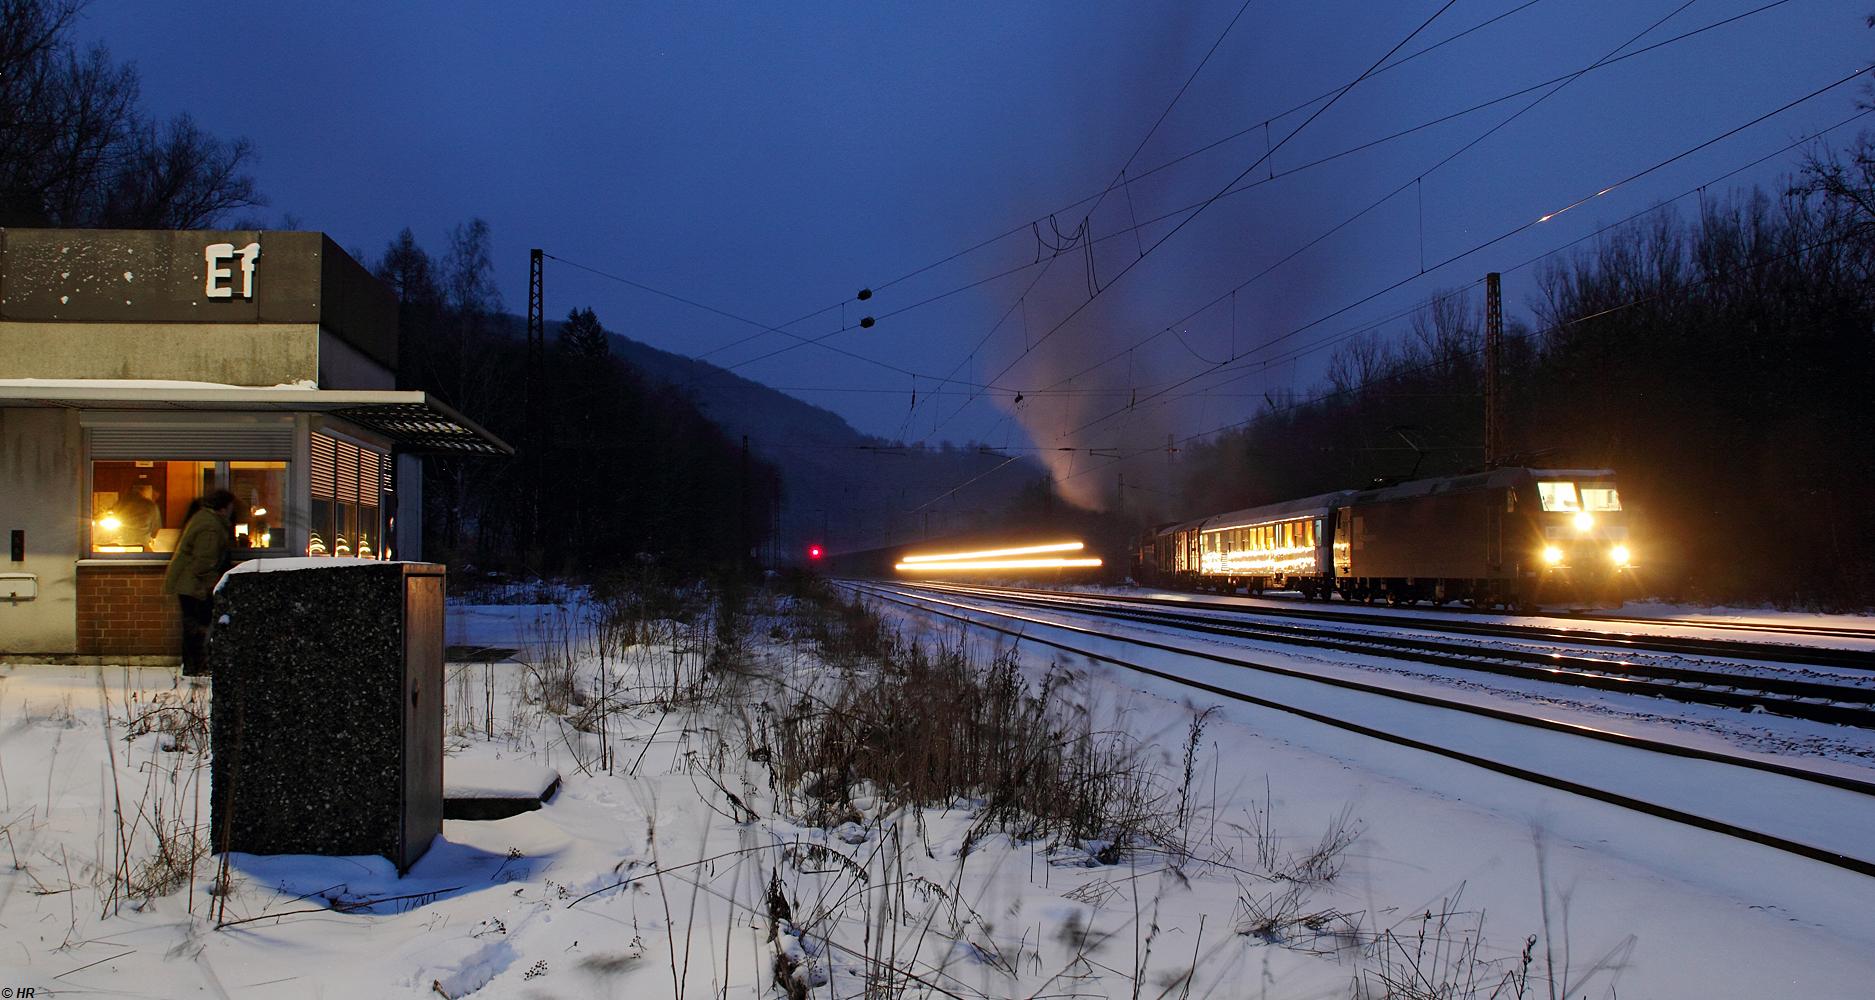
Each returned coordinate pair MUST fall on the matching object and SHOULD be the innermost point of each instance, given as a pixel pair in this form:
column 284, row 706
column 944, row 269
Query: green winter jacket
column 201, row 555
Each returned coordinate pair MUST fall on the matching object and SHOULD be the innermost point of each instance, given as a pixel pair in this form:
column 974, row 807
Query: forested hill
column 839, row 486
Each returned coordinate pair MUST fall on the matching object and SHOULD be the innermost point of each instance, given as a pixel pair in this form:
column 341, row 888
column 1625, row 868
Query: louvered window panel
column 324, row 471
column 368, row 476
column 202, row 443
column 348, row 472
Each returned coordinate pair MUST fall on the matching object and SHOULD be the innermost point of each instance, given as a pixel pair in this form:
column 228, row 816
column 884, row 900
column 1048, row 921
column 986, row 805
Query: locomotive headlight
column 1620, row 555
column 1584, row 521
column 1552, row 554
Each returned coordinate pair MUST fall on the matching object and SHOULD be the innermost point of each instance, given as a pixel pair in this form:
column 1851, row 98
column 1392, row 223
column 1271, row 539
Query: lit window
column 142, row 506
column 1559, row 497
column 1600, row 498
column 260, row 504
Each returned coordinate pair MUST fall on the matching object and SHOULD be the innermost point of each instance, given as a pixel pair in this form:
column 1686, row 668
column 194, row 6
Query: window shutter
column 201, row 443
column 368, row 478
column 347, row 472
column 324, row 468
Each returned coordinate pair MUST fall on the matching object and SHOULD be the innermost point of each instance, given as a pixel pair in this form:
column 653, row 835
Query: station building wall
column 41, row 483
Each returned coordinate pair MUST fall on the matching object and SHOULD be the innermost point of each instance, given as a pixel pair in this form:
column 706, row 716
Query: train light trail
column 1026, row 550
column 999, row 564
column 1014, row 558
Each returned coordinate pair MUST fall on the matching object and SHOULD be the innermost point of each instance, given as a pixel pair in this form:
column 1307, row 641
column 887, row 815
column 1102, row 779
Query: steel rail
column 1785, row 628
column 1776, row 695
column 1834, row 858
column 1770, row 652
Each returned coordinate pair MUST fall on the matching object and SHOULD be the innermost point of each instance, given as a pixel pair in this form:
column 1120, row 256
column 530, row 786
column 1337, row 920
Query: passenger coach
column 1515, row 537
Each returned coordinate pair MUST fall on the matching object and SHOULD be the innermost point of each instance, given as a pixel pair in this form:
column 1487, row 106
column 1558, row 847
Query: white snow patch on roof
column 301, row 562
column 140, row 383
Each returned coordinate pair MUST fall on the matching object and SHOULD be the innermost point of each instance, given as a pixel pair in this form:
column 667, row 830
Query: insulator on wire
column 866, row 322
column 864, row 294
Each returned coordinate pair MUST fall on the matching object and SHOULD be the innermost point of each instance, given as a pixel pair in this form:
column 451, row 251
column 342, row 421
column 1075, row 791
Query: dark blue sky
column 770, row 160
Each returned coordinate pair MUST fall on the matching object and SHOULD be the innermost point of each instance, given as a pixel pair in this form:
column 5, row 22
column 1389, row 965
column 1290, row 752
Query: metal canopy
column 410, row 417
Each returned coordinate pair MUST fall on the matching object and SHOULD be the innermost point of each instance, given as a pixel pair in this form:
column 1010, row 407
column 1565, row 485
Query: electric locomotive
column 1515, row 537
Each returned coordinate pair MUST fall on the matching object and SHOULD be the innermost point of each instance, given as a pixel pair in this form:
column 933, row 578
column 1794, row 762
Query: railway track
column 1730, row 782
column 1784, row 628
column 1697, row 646
column 1604, row 617
column 1820, row 701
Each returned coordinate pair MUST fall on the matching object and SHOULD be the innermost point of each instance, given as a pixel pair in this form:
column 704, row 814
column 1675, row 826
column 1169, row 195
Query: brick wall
column 122, row 611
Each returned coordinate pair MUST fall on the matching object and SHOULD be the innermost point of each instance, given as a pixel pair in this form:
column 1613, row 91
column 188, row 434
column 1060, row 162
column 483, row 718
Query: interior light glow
column 259, row 512
column 1620, row 554
column 994, row 553
column 1552, row 554
column 109, row 522
column 1584, row 521
column 977, row 564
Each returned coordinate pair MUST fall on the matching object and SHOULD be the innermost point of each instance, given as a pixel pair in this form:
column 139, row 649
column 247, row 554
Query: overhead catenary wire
column 1071, row 206
column 1164, row 216
column 1195, row 211
column 1563, row 80
column 1525, row 226
column 763, row 329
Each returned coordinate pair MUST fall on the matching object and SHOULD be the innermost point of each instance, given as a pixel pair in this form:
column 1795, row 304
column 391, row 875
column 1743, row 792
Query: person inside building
column 139, row 518
column 202, row 556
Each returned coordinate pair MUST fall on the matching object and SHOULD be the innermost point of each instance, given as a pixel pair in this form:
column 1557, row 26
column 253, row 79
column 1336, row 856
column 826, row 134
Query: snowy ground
column 648, row 875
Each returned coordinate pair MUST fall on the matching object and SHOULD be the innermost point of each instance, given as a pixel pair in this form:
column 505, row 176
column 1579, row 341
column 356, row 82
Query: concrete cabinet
column 327, row 711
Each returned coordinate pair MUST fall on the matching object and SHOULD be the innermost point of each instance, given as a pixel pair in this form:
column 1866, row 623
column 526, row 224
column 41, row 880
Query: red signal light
column 814, row 552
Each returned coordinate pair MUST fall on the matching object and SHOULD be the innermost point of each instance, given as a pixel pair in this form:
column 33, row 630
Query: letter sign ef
column 215, row 284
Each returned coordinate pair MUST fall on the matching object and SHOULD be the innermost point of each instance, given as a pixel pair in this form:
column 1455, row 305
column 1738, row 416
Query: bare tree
column 407, row 268
column 75, row 151
column 179, row 177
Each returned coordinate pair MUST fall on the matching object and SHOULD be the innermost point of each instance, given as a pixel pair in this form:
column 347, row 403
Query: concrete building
column 139, row 369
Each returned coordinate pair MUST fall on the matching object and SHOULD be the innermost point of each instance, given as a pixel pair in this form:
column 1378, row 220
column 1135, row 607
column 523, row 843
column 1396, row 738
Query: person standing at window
column 139, row 517
column 202, row 555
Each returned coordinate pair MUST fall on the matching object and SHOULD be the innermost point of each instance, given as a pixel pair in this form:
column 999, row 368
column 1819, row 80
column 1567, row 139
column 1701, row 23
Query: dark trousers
column 195, row 622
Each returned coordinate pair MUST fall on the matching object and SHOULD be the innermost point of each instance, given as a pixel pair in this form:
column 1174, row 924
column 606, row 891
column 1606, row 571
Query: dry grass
column 159, row 840
column 929, row 727
column 1438, row 955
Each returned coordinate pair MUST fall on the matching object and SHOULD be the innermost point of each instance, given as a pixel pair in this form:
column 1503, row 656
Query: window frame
column 221, row 469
